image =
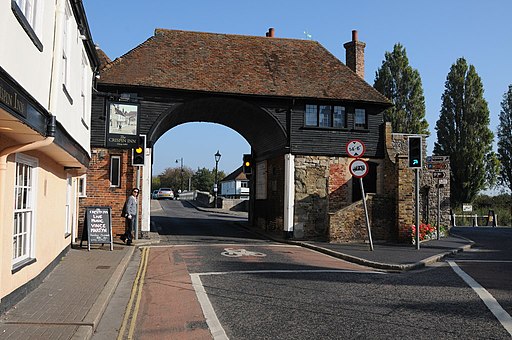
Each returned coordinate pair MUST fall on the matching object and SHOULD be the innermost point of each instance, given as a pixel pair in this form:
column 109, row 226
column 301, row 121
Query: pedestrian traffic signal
column 415, row 152
column 139, row 151
column 247, row 166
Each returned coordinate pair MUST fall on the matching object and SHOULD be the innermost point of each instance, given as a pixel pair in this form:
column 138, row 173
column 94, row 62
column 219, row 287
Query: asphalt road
column 209, row 275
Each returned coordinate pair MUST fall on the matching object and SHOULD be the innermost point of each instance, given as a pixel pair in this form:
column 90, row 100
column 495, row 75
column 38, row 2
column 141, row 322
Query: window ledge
column 324, row 128
column 67, row 94
column 84, row 124
column 20, row 265
column 360, row 130
column 26, row 26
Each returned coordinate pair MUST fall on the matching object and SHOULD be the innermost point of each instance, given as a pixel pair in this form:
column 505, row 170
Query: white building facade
column 48, row 64
column 235, row 185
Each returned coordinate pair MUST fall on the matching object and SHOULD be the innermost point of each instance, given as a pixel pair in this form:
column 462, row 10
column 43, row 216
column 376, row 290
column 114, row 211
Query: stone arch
column 258, row 126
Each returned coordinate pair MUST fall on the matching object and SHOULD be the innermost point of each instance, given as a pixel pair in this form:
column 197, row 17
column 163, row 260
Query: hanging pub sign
column 122, row 125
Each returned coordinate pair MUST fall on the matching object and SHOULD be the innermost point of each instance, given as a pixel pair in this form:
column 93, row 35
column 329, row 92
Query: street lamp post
column 215, row 187
column 181, row 174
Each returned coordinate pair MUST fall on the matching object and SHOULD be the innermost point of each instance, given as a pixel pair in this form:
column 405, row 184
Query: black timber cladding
column 157, row 107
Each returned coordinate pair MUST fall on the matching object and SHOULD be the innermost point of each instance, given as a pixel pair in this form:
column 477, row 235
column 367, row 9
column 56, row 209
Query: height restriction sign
column 355, row 148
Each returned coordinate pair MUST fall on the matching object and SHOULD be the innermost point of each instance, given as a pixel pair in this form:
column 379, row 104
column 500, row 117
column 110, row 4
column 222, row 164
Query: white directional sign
column 355, row 148
column 358, row 168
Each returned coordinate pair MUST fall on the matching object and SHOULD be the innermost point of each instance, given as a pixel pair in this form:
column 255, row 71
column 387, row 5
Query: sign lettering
column 13, row 99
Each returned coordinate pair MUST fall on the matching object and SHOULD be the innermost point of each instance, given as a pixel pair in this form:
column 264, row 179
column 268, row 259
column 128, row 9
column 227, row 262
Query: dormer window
column 326, row 116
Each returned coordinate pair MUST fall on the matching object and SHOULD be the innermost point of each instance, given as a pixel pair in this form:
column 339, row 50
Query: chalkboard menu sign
column 97, row 226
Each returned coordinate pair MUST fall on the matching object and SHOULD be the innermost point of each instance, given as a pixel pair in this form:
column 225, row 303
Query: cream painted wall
column 40, row 75
column 69, row 112
column 21, row 58
column 49, row 222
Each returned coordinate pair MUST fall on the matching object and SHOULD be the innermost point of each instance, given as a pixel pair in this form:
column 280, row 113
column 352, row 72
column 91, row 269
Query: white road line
column 213, row 322
column 486, row 261
column 285, row 271
column 226, row 245
column 216, row 329
column 489, row 300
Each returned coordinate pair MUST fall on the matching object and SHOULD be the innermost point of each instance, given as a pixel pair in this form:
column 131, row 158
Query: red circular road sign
column 355, row 148
column 358, row 168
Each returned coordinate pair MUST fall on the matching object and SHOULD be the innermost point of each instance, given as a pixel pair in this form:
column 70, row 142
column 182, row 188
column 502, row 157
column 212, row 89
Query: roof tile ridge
column 160, row 31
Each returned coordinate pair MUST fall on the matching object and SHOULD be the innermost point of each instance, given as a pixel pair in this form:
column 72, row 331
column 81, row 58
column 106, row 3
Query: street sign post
column 359, row 168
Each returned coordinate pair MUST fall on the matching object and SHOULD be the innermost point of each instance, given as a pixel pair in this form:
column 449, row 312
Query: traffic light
column 247, row 166
column 415, row 152
column 138, row 151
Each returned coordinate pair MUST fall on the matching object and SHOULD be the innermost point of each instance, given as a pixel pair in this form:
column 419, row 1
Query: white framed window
column 115, row 171
column 29, row 10
column 66, row 36
column 29, row 15
column 82, row 186
column 84, row 91
column 24, row 194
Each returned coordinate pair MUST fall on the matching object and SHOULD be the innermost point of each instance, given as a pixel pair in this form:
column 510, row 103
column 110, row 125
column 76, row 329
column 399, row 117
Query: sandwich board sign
column 97, row 227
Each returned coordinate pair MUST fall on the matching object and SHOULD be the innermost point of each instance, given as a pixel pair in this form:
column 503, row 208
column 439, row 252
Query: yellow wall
column 49, row 222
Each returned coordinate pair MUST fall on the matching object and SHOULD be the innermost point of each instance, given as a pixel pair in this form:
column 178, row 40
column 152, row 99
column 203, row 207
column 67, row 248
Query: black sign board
column 97, row 226
column 13, row 99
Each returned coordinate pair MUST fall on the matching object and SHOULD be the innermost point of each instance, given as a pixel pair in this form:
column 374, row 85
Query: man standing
column 130, row 215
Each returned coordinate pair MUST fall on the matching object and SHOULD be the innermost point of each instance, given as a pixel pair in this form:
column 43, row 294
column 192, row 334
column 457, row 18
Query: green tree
column 505, row 139
column 399, row 82
column 463, row 132
column 204, row 179
column 173, row 178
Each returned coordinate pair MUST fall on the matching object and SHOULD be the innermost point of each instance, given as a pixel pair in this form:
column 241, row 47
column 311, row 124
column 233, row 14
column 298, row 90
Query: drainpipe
column 50, row 136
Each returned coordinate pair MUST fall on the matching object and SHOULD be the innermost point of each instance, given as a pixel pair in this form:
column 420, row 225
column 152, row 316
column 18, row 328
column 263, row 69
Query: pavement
column 71, row 300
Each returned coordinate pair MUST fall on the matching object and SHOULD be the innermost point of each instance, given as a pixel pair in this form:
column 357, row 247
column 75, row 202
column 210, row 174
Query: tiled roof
column 237, row 64
column 103, row 57
column 238, row 174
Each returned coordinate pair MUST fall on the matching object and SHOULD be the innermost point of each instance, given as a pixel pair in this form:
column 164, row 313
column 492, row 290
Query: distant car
column 165, row 193
column 154, row 195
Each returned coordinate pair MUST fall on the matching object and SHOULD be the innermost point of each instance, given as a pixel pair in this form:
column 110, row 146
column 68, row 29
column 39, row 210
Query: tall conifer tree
column 463, row 132
column 505, row 139
column 399, row 82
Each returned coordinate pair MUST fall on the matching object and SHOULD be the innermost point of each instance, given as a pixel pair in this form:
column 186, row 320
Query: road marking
column 213, row 322
column 135, row 296
column 214, row 325
column 486, row 261
column 489, row 300
column 226, row 245
column 232, row 252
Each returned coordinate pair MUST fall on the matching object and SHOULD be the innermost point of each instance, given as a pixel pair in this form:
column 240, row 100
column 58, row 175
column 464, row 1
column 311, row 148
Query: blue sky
column 435, row 33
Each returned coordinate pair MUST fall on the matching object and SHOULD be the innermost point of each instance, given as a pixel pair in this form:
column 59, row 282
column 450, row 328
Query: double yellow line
column 132, row 309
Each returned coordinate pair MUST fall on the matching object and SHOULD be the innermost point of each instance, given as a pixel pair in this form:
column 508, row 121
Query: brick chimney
column 354, row 55
column 270, row 33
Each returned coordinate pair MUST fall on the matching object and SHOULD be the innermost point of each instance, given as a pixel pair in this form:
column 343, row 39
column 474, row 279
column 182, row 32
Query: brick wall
column 100, row 193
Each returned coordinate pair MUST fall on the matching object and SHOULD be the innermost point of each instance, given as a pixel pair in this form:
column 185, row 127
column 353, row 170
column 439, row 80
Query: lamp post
column 181, row 174
column 217, row 159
